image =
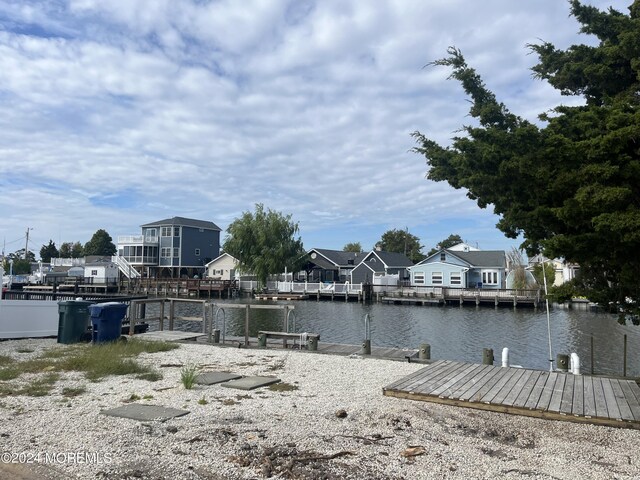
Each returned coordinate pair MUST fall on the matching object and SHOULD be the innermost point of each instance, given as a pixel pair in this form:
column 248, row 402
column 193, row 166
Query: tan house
column 222, row 267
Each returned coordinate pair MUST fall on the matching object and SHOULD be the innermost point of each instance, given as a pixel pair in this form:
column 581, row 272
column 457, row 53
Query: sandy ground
column 332, row 423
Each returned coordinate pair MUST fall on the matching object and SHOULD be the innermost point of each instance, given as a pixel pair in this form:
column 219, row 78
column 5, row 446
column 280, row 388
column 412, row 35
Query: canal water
column 454, row 332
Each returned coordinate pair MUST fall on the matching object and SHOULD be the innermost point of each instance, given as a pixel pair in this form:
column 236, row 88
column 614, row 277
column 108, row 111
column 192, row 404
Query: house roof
column 483, row 258
column 338, row 257
column 392, row 259
column 184, row 222
column 223, row 254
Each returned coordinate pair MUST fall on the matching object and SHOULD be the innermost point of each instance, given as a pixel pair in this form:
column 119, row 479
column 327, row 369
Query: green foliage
column 264, row 243
column 565, row 292
column 71, row 250
column 188, row 375
column 549, row 273
column 450, row 241
column 21, row 266
column 571, row 187
column 354, row 247
column 100, row 244
column 401, row 241
column 47, row 252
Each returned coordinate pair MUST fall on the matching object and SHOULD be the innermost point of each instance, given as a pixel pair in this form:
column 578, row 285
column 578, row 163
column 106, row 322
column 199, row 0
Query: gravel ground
column 334, row 424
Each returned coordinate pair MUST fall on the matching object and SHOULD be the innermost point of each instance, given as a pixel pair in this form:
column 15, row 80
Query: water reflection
column 456, row 333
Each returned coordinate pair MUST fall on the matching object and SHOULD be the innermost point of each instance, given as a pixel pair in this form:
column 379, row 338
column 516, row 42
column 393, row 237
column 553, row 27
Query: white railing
column 66, row 262
column 125, row 267
column 137, row 240
column 315, row 287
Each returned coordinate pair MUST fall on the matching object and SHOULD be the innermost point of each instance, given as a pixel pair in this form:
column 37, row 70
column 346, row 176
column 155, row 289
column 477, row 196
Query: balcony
column 137, row 240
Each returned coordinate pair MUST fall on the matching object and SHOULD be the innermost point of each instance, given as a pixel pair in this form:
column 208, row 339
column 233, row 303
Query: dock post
column 562, row 361
column 624, row 357
column 246, row 329
column 171, row 313
column 216, row 335
column 312, row 344
column 425, row 351
column 366, row 347
column 487, row 356
column 262, row 340
column 592, row 366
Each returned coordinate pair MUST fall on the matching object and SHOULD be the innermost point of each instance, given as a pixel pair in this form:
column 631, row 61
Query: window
column 436, row 278
column 443, row 257
column 165, row 252
column 176, row 231
column 176, row 252
column 150, row 232
column 197, row 252
column 490, row 277
column 418, row 278
column 94, row 273
column 455, row 278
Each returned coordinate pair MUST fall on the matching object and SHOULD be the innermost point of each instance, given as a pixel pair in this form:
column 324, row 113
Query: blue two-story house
column 174, row 247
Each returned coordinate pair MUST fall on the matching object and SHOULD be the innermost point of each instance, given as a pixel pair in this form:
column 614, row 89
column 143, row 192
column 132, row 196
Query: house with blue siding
column 174, row 247
column 324, row 265
column 461, row 269
column 376, row 263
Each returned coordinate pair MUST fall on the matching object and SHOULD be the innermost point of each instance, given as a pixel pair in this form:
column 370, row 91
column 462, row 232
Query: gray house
column 324, row 265
column 174, row 247
column 461, row 269
column 380, row 263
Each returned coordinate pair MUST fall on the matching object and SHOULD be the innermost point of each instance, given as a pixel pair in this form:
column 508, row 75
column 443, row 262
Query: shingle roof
column 392, row 259
column 184, row 222
column 483, row 258
column 341, row 258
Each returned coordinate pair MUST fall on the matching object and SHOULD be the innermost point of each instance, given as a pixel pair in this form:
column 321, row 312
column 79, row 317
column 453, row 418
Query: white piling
column 575, row 364
column 505, row 357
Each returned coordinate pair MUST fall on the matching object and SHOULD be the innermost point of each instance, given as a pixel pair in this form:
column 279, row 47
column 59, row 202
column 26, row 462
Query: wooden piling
column 487, row 356
column 424, row 352
column 366, row 347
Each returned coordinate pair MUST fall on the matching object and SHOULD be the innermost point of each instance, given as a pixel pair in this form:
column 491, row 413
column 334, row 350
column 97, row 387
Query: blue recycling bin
column 106, row 320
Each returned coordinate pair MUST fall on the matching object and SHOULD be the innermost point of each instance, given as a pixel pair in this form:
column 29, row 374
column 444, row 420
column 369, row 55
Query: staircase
column 125, row 267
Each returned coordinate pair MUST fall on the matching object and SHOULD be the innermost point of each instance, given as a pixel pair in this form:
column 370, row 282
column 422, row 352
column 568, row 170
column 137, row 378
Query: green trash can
column 73, row 321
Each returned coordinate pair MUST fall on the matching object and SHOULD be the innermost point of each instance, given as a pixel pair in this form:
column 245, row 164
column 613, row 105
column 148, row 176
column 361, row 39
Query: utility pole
column 26, row 245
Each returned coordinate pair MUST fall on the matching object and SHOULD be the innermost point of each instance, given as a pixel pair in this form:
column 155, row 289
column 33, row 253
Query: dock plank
column 632, row 400
column 492, row 372
column 566, row 402
column 447, row 387
column 577, row 407
column 534, row 396
column 418, row 373
column 524, row 394
column 589, row 399
column 478, row 378
column 517, row 388
column 547, row 391
column 598, row 394
column 610, row 398
column 431, row 375
column 621, row 401
column 491, row 384
column 490, row 395
column 556, row 395
column 508, row 387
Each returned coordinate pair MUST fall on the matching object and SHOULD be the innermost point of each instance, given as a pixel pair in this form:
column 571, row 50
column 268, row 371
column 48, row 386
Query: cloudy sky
column 122, row 112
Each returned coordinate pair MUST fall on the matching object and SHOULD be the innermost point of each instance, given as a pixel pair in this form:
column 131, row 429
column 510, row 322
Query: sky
column 118, row 113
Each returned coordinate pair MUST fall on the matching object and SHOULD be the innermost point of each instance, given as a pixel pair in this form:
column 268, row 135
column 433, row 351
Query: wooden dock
column 552, row 395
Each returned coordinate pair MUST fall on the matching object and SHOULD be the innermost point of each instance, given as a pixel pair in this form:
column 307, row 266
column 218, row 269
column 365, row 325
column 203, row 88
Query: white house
column 222, row 267
column 101, row 272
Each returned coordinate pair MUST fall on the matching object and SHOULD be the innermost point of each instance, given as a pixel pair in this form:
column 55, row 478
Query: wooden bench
column 264, row 335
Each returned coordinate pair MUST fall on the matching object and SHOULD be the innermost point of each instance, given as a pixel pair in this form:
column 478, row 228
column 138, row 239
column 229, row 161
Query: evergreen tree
column 47, row 252
column 571, row 186
column 401, row 241
column 100, row 244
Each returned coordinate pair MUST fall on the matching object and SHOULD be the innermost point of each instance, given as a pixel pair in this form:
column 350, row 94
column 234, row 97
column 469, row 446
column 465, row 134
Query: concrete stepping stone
column 144, row 413
column 249, row 383
column 211, row 378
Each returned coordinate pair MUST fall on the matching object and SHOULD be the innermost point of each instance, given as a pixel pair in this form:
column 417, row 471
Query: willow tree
column 570, row 186
column 265, row 243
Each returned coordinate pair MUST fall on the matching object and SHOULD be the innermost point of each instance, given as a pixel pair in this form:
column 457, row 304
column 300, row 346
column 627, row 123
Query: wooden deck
column 535, row 393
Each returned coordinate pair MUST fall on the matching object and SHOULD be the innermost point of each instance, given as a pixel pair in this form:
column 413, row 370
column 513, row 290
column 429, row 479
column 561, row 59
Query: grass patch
column 25, row 350
column 147, row 397
column 6, row 360
column 202, row 401
column 73, row 392
column 96, row 361
column 133, row 397
column 188, row 375
column 282, row 387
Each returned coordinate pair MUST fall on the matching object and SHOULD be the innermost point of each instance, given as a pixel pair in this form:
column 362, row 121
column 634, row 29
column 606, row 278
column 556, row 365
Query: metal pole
column 546, row 299
column 624, row 355
column 592, row 360
column 246, row 327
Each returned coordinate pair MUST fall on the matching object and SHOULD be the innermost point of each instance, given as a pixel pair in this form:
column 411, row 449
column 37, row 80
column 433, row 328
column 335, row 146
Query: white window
column 418, row 278
column 176, row 252
column 176, row 231
column 165, row 252
column 165, row 231
column 197, row 252
column 455, row 278
column 490, row 277
column 436, row 278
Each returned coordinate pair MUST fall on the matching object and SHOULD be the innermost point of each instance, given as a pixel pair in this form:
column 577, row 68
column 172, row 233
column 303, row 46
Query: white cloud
column 118, row 113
